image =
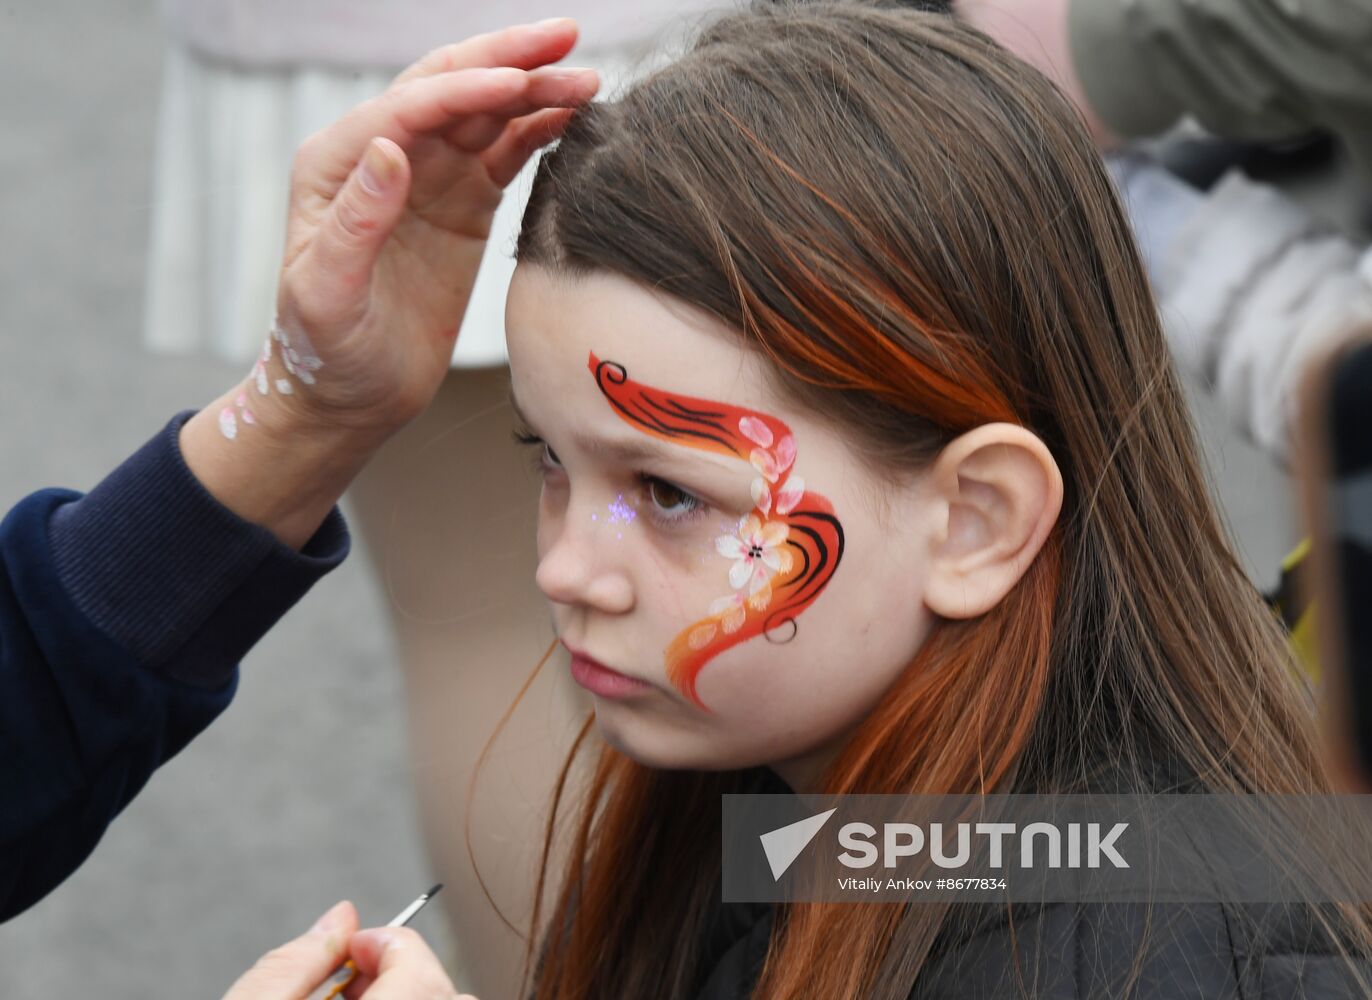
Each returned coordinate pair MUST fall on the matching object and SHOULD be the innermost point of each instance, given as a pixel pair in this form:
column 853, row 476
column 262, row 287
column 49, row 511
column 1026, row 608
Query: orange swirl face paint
column 783, row 553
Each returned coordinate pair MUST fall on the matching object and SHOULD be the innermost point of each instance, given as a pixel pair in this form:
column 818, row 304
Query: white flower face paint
column 297, row 357
column 756, row 546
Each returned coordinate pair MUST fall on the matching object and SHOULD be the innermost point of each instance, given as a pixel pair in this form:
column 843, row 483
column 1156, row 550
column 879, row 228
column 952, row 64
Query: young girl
column 866, row 469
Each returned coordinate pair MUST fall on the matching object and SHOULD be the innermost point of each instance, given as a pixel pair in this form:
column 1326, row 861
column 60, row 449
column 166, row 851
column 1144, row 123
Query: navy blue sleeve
column 123, row 616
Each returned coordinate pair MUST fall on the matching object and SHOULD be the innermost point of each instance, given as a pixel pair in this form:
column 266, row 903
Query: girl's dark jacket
column 1062, row 951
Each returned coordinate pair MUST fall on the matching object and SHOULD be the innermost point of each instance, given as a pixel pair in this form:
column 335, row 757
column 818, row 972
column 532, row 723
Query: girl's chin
column 701, row 754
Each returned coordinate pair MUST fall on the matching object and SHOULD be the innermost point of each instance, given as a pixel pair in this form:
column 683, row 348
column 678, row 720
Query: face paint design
column 621, row 512
column 782, row 555
column 299, row 359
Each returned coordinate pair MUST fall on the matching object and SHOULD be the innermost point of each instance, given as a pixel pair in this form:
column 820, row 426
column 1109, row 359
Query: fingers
column 425, row 104
column 399, row 965
column 296, row 968
column 429, row 103
column 438, row 101
column 358, row 988
column 546, row 87
column 521, row 139
column 524, row 46
column 354, row 229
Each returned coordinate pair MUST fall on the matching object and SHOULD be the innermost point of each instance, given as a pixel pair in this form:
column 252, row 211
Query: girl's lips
column 600, row 679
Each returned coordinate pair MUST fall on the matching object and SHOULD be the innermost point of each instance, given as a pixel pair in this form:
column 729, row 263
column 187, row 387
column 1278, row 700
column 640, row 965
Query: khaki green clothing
column 1247, row 69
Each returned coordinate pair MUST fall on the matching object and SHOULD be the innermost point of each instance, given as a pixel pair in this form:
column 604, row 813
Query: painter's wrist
column 270, row 464
column 364, row 384
column 299, row 420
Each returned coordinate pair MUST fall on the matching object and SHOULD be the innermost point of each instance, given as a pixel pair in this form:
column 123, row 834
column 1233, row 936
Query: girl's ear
column 997, row 493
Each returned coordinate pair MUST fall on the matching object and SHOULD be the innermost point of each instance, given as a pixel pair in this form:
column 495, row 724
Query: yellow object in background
column 1291, row 600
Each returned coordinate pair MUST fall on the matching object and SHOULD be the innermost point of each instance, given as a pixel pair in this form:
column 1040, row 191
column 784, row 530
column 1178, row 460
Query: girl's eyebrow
column 639, row 448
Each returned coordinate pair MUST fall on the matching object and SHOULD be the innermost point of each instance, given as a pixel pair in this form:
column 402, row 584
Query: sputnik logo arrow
column 784, row 844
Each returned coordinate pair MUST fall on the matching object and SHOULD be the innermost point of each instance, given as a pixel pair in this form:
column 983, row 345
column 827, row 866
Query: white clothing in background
column 227, row 133
column 1251, row 288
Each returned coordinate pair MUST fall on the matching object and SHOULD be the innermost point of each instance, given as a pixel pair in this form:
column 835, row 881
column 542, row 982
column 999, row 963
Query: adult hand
column 297, row 968
column 390, row 209
column 393, row 963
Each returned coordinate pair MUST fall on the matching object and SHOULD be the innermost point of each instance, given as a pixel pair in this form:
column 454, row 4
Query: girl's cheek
column 681, row 570
column 746, row 683
column 543, row 531
column 682, row 584
column 689, row 558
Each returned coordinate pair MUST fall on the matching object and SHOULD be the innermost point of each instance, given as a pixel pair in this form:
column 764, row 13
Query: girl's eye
column 672, row 503
column 545, row 458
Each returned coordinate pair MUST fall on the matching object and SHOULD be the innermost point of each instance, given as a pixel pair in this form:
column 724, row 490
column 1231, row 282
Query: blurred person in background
column 1254, row 277
column 1240, row 135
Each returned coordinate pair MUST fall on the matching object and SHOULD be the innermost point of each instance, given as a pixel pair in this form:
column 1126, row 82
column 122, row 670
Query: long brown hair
column 916, row 231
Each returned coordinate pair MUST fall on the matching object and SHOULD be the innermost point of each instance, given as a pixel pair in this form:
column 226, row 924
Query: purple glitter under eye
column 621, row 512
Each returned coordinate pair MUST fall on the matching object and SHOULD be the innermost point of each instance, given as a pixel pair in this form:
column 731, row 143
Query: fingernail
column 331, row 921
column 378, row 169
column 548, row 24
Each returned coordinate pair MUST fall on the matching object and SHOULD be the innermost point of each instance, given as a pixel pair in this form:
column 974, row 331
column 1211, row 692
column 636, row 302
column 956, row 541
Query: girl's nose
column 586, row 565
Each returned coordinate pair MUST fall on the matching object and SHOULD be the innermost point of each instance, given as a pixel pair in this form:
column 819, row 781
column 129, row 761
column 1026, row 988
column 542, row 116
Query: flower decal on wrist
column 297, row 356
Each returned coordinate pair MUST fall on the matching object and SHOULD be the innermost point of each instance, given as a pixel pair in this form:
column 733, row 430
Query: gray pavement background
column 298, row 795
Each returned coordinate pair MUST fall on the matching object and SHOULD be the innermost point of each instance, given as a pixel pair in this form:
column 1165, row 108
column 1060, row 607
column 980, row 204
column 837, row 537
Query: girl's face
column 728, row 551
